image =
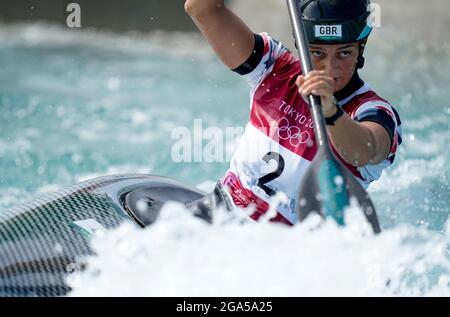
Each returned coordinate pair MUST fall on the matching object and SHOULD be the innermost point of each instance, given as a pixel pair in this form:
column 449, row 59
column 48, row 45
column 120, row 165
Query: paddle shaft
column 305, row 58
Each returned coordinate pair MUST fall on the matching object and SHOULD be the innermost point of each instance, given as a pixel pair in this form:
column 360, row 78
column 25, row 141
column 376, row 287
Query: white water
column 183, row 256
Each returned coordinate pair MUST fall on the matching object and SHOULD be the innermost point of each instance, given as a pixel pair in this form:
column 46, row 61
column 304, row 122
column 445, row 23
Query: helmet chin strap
column 361, row 60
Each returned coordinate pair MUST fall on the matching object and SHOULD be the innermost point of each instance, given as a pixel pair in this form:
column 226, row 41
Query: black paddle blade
column 328, row 187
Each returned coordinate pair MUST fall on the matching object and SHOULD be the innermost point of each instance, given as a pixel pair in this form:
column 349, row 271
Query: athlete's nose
column 329, row 65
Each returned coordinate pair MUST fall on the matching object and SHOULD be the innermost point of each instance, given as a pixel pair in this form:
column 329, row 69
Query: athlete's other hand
column 318, row 83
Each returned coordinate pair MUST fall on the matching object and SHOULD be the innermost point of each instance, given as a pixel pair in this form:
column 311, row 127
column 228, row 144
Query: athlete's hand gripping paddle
column 328, row 187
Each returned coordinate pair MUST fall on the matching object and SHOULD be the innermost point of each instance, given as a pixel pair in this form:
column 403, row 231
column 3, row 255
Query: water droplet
column 58, row 248
column 319, row 197
column 141, row 205
column 338, row 180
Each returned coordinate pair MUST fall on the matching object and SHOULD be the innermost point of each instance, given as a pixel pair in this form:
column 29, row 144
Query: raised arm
column 228, row 35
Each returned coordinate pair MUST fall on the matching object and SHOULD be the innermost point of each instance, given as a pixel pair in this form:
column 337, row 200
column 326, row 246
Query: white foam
column 409, row 173
column 183, row 256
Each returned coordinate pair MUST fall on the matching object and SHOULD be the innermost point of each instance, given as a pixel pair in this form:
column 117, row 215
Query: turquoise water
column 79, row 105
column 76, row 105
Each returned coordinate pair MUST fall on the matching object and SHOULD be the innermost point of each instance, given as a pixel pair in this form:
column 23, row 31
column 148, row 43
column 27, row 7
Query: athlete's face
column 338, row 60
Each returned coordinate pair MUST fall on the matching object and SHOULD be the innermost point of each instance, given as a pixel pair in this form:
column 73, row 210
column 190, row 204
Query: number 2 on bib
column 271, row 176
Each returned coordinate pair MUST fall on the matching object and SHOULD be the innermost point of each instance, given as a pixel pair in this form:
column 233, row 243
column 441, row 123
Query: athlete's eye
column 316, row 53
column 344, row 53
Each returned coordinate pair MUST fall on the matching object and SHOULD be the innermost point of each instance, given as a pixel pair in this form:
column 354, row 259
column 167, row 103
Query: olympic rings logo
column 292, row 133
